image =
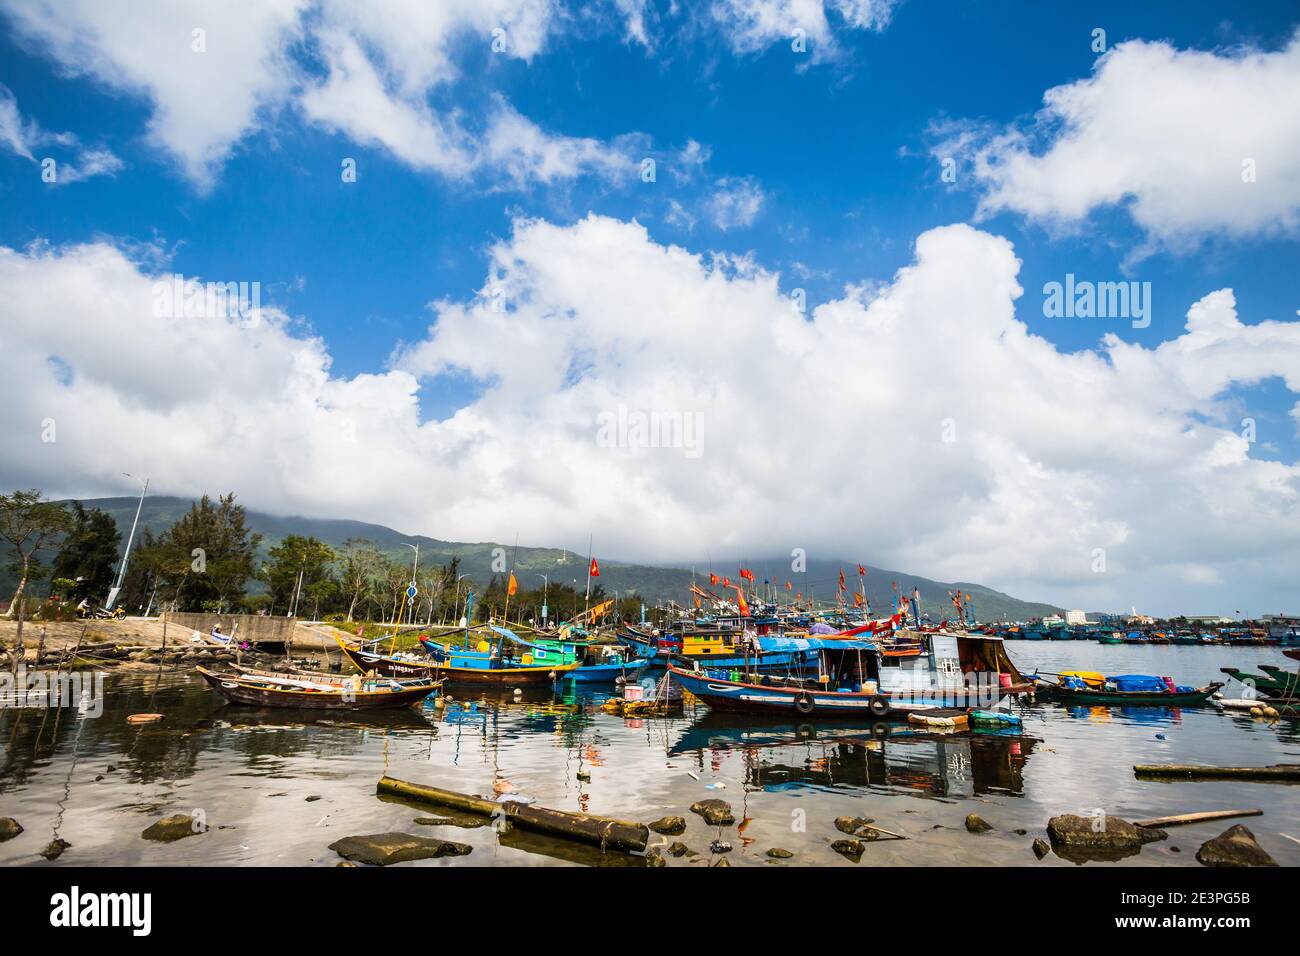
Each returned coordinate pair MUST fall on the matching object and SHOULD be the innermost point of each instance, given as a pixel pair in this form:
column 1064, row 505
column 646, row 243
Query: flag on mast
column 594, row 570
column 513, row 587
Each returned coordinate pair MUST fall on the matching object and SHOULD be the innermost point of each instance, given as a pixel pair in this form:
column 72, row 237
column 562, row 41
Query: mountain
column 653, row 582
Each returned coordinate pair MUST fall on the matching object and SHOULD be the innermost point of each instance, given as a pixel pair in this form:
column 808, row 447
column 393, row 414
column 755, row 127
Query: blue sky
column 837, row 150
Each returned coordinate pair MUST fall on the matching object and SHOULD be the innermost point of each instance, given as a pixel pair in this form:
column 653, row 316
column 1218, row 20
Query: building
column 1073, row 618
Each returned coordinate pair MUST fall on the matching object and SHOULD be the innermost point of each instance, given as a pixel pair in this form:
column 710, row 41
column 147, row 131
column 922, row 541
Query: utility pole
column 121, row 571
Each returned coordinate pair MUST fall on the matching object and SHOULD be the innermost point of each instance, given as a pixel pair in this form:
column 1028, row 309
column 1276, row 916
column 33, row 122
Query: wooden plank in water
column 1276, row 772
column 1202, row 817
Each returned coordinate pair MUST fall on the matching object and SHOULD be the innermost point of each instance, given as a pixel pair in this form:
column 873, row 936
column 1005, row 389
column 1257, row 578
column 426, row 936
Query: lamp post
column 546, row 585
column 121, row 571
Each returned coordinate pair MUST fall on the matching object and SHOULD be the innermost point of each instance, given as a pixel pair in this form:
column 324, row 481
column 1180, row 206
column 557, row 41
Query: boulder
column 174, row 827
column 1079, row 839
column 779, row 853
column 715, row 812
column 1235, row 846
column 1041, row 849
column 382, row 849
column 848, row 848
column 9, row 828
column 54, row 849
column 671, row 826
column 679, row 849
column 977, row 824
column 852, row 825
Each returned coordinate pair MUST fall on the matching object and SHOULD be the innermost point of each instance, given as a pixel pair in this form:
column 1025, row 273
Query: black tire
column 879, row 706
column 880, row 730
column 803, row 703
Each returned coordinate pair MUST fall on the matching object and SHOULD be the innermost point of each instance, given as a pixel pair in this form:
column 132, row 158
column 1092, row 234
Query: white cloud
column 751, row 26
column 1165, row 133
column 735, row 202
column 388, row 77
column 822, row 432
column 23, row 137
column 203, row 102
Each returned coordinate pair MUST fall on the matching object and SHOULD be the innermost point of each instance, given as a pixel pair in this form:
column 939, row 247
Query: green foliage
column 298, row 572
column 89, row 555
column 30, row 524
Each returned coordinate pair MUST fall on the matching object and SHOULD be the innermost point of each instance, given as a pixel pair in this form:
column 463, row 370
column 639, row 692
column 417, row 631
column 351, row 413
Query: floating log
column 1276, row 772
column 1201, row 817
column 605, row 832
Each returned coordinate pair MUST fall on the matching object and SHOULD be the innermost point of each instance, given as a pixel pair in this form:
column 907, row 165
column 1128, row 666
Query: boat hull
column 1102, row 698
column 807, row 703
column 239, row 692
column 366, row 662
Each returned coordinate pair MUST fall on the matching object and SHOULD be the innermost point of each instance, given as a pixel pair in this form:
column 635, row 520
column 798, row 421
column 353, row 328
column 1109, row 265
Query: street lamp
column 546, row 584
column 121, row 571
column 456, row 604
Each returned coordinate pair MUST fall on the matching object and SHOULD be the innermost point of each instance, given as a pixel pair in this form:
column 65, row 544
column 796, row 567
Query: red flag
column 798, row 595
column 789, row 586
column 842, row 587
column 862, row 571
column 713, row 578
column 726, row 582
column 595, row 569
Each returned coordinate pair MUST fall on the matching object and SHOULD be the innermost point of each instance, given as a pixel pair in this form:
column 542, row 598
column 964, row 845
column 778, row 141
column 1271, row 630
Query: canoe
column 1274, row 683
column 362, row 695
column 1088, row 696
column 303, row 678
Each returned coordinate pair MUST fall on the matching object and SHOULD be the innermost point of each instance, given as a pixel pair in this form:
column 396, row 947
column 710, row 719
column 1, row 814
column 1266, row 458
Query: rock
column 1041, row 849
column 382, row 849
column 175, row 827
column 346, row 863
column 584, row 776
column 848, row 848
column 779, row 853
column 312, row 798
column 977, row 824
column 1020, row 831
column 1077, row 838
column 719, row 846
column 9, row 828
column 715, row 812
column 671, row 826
column 466, row 821
column 654, row 859
column 1152, row 834
column 1235, row 846
column 722, row 861
column 55, row 849
column 679, row 849
column 851, row 825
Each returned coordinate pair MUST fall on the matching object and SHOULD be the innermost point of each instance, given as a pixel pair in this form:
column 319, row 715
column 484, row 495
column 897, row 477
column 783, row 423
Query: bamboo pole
column 1192, row 771
column 1202, row 817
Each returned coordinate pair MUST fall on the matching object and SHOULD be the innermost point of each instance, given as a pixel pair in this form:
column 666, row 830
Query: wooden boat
column 1274, row 682
column 361, row 694
column 386, row 665
column 1092, row 697
column 1293, row 653
column 607, row 671
column 306, row 677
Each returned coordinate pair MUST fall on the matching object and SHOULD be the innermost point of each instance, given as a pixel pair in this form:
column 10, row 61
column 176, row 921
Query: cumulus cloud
column 381, row 73
column 1189, row 142
column 23, row 136
column 992, row 457
column 754, row 25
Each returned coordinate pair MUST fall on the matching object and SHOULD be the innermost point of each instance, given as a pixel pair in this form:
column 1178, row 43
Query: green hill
column 652, row 582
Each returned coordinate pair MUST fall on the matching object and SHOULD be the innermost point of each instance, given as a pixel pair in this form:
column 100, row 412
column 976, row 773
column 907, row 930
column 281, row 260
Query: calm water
column 96, row 783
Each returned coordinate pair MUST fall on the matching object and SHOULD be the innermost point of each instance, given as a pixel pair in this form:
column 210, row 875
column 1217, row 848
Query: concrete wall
column 254, row 628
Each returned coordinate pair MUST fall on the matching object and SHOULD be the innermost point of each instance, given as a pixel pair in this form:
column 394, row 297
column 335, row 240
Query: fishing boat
column 459, row 667
column 855, row 679
column 336, row 693
column 1293, row 653
column 608, row 670
column 1076, row 690
column 1273, row 682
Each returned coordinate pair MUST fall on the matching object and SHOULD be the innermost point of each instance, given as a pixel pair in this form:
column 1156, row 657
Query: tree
column 89, row 553
column 206, row 557
column 30, row 524
column 361, row 562
column 297, row 566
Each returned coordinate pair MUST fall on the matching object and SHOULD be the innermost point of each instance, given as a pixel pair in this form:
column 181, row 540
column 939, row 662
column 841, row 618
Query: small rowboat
column 1092, row 697
column 387, row 665
column 144, row 718
column 355, row 693
column 1293, row 653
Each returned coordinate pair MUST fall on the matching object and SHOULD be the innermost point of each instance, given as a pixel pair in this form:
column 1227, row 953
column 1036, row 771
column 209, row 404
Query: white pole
column 121, row 571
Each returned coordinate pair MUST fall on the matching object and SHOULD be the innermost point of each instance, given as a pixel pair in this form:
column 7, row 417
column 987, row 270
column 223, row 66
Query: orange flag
column 713, row 578
column 513, row 587
column 789, row 586
column 857, row 599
